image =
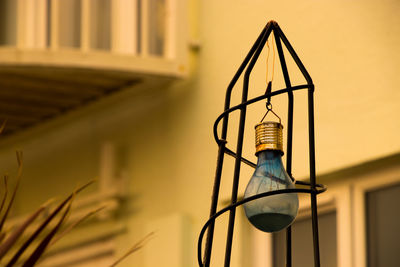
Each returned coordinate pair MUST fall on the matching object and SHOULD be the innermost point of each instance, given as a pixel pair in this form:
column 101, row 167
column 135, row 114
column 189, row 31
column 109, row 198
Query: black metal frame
column 313, row 188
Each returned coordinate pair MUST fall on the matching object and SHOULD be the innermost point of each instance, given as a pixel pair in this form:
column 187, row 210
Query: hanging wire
column 273, row 59
column 269, row 87
column 266, row 75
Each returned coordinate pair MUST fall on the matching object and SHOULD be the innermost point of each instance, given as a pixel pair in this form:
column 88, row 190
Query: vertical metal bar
column 221, row 150
column 170, row 35
column 239, row 145
column 55, row 27
column 289, row 136
column 311, row 138
column 124, row 26
column 314, row 212
column 20, row 39
column 30, row 26
column 144, row 29
column 289, row 246
column 214, row 203
column 41, row 24
column 85, row 21
column 117, row 15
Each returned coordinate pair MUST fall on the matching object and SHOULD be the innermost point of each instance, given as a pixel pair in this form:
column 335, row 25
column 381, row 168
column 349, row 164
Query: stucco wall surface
column 164, row 136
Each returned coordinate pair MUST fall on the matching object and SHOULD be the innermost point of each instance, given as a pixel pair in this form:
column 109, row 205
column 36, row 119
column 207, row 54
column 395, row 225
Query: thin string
column 273, row 59
column 266, row 76
column 269, row 83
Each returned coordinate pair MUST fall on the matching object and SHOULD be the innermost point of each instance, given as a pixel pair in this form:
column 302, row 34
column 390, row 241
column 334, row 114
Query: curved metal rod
column 241, row 202
column 253, row 165
column 251, row 101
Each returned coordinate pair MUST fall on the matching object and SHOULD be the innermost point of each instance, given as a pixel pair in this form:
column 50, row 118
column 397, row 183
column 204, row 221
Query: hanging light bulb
column 276, row 212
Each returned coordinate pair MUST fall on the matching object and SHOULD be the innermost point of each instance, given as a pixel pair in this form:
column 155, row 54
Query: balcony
column 57, row 55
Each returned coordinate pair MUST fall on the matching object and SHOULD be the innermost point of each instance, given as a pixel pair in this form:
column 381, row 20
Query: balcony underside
column 33, row 93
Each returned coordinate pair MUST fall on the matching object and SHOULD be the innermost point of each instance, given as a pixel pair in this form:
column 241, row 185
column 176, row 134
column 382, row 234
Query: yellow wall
column 164, row 136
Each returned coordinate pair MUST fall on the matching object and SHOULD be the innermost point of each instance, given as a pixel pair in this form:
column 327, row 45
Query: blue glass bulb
column 276, row 212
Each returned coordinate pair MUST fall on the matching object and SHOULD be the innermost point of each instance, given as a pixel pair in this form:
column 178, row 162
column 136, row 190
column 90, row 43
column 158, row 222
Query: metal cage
column 312, row 187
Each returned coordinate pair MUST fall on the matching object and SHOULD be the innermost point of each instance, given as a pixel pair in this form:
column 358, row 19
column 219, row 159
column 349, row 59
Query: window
column 383, row 220
column 334, row 217
column 375, row 197
column 302, row 244
column 358, row 221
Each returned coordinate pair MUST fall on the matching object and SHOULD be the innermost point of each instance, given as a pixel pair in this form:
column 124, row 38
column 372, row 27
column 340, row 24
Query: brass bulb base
column 269, row 136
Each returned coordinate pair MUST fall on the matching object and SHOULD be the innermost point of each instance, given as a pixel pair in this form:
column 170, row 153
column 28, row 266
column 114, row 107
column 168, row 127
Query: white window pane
column 383, row 221
column 8, row 22
column 302, row 245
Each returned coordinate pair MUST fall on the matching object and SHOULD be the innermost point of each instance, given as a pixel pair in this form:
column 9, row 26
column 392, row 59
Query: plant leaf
column 20, row 164
column 2, row 236
column 3, row 125
column 44, row 224
column 134, row 248
column 75, row 224
column 5, row 193
column 13, row 237
column 31, row 261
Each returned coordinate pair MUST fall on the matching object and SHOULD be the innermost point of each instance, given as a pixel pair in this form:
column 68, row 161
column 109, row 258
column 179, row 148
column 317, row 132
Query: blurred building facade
column 127, row 91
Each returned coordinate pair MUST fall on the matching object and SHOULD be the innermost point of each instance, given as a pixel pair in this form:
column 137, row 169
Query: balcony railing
column 58, row 55
column 129, row 35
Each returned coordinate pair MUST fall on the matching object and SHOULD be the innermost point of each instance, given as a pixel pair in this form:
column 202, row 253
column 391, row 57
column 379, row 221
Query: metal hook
column 268, row 91
column 268, row 104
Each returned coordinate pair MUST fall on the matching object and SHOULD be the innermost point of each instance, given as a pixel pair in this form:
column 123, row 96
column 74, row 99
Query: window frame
column 336, row 198
column 367, row 183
